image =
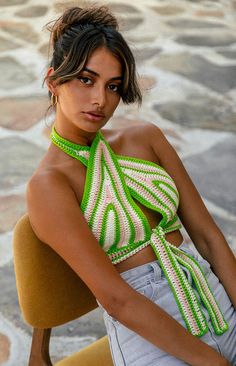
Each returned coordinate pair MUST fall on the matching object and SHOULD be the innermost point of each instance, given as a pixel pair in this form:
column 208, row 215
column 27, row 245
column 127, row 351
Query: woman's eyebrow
column 96, row 74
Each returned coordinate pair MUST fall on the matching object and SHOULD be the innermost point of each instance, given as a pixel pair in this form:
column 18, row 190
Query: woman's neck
column 75, row 134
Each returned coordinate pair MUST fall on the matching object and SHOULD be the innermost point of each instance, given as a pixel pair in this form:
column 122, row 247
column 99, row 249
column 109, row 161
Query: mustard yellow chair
column 51, row 294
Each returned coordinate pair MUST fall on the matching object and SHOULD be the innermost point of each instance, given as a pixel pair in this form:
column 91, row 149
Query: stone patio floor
column 186, row 57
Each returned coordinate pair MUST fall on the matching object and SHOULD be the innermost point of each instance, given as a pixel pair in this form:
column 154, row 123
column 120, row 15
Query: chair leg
column 39, row 353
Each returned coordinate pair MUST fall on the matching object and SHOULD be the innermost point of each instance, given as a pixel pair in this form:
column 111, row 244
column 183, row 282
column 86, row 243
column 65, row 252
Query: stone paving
column 186, row 56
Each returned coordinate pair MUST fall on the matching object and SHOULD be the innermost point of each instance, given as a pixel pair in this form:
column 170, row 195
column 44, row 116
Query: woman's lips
column 93, row 116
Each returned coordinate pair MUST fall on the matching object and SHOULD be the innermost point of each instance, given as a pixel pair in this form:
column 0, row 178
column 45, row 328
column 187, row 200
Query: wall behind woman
column 186, row 56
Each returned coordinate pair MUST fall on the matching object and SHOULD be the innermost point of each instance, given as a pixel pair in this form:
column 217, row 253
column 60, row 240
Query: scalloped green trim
column 88, row 179
column 131, row 246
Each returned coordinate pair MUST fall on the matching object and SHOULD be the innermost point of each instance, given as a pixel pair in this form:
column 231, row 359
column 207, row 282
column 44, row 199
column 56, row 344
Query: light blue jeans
column 130, row 349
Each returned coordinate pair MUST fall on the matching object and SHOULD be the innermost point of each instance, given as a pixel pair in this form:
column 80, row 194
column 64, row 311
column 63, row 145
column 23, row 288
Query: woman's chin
column 90, row 127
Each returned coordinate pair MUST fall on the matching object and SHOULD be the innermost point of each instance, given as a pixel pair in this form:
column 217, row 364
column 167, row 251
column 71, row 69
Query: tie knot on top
column 160, row 231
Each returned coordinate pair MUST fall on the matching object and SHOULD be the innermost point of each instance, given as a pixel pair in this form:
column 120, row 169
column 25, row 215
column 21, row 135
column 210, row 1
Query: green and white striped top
column 122, row 229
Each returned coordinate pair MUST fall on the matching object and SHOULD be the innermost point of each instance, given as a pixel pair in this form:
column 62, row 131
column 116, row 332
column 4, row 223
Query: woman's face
column 90, row 100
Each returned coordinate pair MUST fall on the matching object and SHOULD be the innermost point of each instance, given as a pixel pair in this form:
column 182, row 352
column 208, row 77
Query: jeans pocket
column 109, row 319
column 147, row 289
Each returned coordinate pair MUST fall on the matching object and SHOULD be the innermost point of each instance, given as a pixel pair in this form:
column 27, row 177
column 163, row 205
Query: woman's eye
column 85, row 80
column 114, row 87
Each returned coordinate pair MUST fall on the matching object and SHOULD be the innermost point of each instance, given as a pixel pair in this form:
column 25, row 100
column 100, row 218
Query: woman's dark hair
column 79, row 32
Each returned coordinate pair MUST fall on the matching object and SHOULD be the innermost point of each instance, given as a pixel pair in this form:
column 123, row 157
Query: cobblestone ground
column 186, row 54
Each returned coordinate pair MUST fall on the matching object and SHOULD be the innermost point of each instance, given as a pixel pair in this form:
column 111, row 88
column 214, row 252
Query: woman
column 109, row 203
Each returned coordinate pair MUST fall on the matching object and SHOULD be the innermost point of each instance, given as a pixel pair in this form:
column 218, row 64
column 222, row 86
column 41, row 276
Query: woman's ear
column 51, row 83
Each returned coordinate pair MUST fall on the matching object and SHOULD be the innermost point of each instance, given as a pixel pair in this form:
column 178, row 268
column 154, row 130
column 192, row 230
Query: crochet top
column 122, row 229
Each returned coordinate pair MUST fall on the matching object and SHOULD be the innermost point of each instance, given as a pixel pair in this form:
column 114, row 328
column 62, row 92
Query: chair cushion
column 97, row 353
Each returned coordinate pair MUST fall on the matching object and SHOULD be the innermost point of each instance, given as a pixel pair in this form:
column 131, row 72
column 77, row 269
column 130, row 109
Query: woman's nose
column 99, row 96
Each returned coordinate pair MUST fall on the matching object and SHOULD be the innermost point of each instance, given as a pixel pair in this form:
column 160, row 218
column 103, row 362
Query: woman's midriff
column 147, row 254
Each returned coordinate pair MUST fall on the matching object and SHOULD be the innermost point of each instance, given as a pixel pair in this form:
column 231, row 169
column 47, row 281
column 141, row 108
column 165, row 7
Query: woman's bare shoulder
column 136, row 129
column 56, row 169
column 46, row 180
column 134, row 140
column 42, row 186
column 46, row 176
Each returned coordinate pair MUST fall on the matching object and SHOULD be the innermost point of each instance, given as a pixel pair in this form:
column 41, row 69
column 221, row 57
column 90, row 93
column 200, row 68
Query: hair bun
column 94, row 15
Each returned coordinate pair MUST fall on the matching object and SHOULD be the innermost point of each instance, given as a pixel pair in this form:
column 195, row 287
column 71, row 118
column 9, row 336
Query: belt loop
column 157, row 272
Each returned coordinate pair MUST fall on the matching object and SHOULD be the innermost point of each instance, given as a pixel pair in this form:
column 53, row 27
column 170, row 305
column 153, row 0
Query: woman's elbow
column 115, row 304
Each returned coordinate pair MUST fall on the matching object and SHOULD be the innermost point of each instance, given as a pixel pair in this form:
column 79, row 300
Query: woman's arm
column 58, row 221
column 195, row 217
